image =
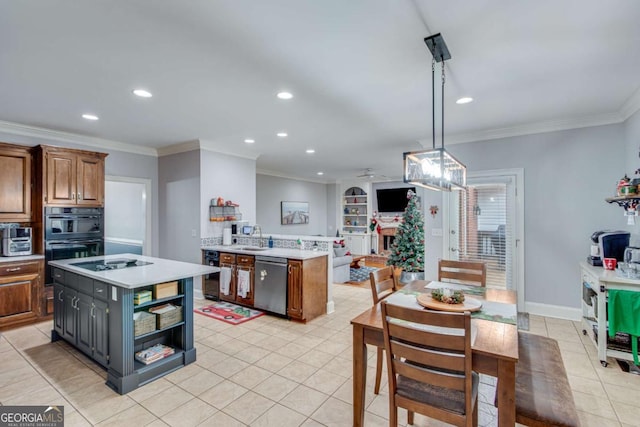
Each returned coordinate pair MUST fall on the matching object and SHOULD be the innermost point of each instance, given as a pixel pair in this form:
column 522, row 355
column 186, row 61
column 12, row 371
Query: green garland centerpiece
column 448, row 296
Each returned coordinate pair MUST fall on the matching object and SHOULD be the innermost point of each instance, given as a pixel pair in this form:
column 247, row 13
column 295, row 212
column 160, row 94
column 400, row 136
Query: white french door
column 485, row 223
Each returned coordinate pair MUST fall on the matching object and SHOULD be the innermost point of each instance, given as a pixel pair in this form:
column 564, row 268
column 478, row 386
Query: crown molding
column 90, row 141
column 631, row 105
column 182, row 147
column 534, row 128
column 281, row 175
column 211, row 146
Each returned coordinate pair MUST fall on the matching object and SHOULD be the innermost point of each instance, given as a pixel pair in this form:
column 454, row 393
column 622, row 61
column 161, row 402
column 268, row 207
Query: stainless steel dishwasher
column 271, row 284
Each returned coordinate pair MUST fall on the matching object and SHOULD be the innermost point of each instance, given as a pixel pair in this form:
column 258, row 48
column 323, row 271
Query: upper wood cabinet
column 15, row 183
column 71, row 177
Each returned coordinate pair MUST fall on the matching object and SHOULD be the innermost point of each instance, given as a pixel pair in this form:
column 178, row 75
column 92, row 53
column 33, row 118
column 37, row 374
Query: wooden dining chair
column 383, row 283
column 464, row 272
column 429, row 366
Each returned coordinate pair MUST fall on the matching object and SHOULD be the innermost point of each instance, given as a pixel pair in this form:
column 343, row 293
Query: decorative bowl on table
column 445, row 299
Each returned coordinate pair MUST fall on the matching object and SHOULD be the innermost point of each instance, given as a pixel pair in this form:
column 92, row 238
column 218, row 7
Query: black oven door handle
column 73, row 217
column 72, row 242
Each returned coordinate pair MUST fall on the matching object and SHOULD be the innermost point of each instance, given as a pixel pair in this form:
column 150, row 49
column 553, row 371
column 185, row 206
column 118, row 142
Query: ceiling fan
column 368, row 174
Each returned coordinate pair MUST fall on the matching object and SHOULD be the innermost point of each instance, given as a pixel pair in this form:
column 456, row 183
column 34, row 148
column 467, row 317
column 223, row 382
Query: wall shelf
column 626, row 202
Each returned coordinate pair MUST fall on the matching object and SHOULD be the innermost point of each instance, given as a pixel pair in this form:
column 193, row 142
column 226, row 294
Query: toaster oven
column 16, row 241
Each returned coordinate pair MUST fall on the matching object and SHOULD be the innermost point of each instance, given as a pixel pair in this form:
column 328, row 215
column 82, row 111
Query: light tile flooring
column 272, row 372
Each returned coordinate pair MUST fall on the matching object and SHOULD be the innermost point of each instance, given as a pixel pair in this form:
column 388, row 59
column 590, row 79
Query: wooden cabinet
column 70, row 177
column 228, row 261
column 15, row 183
column 294, row 289
column 307, row 288
column 242, row 268
column 20, row 284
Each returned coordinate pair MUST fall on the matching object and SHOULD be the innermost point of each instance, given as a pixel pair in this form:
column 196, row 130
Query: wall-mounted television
column 393, row 199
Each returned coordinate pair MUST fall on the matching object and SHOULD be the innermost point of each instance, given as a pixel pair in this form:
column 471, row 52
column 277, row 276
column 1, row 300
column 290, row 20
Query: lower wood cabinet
column 307, row 288
column 240, row 265
column 20, row 294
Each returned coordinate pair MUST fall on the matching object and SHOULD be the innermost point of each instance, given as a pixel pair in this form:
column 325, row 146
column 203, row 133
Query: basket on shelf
column 167, row 315
column 144, row 322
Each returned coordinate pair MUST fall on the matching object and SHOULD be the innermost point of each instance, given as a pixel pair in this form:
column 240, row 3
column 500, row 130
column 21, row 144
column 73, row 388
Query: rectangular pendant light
column 435, row 169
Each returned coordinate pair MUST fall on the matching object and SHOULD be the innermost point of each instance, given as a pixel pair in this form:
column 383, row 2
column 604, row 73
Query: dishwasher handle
column 272, row 261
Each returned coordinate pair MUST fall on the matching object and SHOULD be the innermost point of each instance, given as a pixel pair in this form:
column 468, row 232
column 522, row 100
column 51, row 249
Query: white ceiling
column 359, row 71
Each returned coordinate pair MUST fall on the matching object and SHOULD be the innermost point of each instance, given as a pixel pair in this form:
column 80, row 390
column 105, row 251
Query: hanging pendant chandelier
column 435, row 169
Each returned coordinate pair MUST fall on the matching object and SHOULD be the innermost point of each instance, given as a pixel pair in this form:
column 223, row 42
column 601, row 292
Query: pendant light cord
column 442, row 129
column 433, row 102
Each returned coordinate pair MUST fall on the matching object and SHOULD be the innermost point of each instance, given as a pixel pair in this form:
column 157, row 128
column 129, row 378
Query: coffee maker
column 608, row 244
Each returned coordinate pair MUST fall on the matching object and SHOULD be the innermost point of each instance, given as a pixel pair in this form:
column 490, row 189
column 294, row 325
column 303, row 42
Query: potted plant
column 407, row 249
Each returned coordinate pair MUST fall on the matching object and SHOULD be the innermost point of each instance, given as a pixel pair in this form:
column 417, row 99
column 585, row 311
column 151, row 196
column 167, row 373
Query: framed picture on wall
column 294, row 213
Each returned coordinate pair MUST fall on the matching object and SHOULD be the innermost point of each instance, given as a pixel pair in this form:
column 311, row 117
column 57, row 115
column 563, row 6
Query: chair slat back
column 383, row 283
column 466, row 272
column 430, row 347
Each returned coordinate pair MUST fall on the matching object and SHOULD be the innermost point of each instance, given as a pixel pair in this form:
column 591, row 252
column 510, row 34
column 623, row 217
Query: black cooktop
column 110, row 264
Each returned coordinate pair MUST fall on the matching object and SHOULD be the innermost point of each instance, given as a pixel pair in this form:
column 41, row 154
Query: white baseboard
column 331, row 307
column 548, row 310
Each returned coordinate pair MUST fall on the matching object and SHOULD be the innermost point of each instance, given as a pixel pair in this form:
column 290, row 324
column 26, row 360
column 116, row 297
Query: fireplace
column 385, row 238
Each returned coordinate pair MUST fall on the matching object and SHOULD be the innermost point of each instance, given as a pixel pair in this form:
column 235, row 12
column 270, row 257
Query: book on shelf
column 154, row 353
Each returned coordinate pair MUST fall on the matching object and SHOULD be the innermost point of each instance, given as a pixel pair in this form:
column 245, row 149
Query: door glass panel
column 481, row 227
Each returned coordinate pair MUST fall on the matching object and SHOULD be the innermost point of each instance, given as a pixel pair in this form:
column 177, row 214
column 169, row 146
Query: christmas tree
column 407, row 249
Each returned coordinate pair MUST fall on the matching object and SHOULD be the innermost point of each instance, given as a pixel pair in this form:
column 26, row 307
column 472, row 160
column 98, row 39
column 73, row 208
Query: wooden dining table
column 494, row 352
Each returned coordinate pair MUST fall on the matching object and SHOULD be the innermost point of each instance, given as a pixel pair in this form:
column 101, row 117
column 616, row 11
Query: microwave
column 17, row 241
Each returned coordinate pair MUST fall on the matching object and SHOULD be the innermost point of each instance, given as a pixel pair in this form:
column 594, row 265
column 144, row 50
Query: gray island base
column 94, row 311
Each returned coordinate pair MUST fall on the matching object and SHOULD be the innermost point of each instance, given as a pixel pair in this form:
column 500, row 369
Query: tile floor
column 272, row 372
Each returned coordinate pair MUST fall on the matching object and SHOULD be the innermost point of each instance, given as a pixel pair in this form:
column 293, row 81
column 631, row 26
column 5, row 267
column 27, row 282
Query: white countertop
column 20, row 258
column 271, row 252
column 609, row 276
column 160, row 270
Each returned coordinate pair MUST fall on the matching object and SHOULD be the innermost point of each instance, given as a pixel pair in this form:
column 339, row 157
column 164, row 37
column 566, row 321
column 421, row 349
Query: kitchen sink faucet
column 258, row 230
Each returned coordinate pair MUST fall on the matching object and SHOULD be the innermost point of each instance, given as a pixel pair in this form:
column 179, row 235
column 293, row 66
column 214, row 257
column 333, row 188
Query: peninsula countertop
column 158, row 271
column 268, row 252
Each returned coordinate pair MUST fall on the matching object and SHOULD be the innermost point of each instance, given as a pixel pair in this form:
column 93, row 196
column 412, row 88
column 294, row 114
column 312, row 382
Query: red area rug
column 228, row 312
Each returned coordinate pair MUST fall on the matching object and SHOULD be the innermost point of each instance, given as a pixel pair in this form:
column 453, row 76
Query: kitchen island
column 97, row 298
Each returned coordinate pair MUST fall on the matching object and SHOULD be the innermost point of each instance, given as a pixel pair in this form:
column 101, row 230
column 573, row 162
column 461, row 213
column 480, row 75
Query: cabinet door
column 356, row 244
column 58, row 308
column 70, row 310
column 61, row 178
column 15, row 296
column 84, row 326
column 90, row 180
column 249, row 298
column 15, row 185
column 100, row 332
column 232, row 285
column 294, row 284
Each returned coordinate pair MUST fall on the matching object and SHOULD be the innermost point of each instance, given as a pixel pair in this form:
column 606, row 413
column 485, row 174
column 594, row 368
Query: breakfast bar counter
column 132, row 314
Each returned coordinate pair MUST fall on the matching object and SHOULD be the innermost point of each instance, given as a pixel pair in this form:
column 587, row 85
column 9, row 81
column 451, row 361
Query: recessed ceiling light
column 283, row 134
column 464, row 100
column 311, row 151
column 285, row 95
column 320, row 173
column 249, row 141
column 142, row 93
column 90, row 116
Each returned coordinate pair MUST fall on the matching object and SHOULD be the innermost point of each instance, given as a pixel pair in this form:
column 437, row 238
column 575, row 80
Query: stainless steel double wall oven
column 72, row 232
